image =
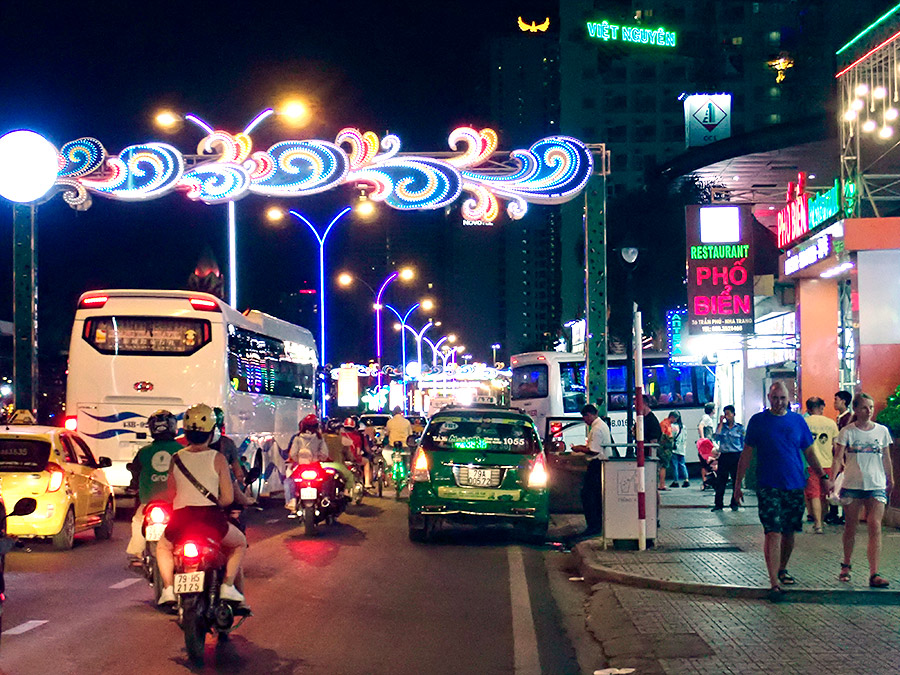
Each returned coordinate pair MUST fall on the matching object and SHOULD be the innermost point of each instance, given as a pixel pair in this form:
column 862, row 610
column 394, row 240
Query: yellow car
column 57, row 469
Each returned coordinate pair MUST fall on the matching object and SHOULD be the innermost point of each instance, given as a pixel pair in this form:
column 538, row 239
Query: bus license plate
column 191, row 582
column 308, row 493
column 154, row 531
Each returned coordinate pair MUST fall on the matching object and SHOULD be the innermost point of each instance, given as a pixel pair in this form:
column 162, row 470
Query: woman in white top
column 192, row 509
column 862, row 451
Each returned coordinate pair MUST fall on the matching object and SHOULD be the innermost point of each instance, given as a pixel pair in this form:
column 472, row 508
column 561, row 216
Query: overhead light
column 850, row 115
column 811, row 176
column 891, row 114
column 857, row 104
column 879, row 92
column 886, row 131
column 862, row 89
column 869, row 126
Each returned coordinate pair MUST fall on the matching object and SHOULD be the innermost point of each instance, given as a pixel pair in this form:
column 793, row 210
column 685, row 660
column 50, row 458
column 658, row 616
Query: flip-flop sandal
column 786, row 578
column 878, row 581
column 845, row 573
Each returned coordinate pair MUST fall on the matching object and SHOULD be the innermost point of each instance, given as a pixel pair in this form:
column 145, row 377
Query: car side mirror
column 104, row 463
column 24, row 507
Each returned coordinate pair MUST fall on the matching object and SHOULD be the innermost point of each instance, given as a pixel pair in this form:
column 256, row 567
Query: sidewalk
column 698, row 601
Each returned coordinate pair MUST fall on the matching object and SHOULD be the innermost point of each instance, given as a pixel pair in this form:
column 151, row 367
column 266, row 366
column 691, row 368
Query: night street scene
column 447, row 338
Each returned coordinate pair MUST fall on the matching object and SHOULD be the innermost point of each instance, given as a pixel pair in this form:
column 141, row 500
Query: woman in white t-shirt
column 862, row 451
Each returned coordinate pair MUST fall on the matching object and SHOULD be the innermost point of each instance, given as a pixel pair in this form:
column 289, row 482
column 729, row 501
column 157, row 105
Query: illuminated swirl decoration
column 551, row 171
column 139, row 172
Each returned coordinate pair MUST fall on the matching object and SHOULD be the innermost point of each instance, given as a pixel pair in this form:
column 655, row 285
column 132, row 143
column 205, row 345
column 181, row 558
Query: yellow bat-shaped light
column 534, row 27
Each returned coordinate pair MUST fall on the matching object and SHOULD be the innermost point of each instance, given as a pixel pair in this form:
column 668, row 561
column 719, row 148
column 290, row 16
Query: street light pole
column 403, row 345
column 494, row 348
column 25, row 324
column 378, row 307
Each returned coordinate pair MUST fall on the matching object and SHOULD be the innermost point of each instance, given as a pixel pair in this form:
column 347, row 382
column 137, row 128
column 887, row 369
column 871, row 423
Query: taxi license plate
column 192, row 582
column 490, row 495
column 480, row 477
column 154, row 531
column 308, row 493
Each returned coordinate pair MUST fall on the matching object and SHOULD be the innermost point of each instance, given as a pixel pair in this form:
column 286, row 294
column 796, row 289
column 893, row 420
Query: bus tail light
column 420, row 471
column 556, row 431
column 93, row 301
column 56, row 476
column 205, row 305
column 71, row 423
column 538, row 476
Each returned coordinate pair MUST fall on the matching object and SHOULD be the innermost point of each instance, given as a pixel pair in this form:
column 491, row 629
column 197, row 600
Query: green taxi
column 479, row 465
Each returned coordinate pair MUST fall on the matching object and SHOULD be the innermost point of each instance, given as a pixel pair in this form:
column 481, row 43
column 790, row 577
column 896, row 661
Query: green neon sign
column 608, row 32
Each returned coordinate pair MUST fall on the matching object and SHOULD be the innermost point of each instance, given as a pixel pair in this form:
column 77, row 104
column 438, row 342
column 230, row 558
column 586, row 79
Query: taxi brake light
column 420, row 467
column 56, row 477
column 93, row 302
column 204, row 305
column 158, row 515
column 71, row 423
column 538, row 476
column 191, row 550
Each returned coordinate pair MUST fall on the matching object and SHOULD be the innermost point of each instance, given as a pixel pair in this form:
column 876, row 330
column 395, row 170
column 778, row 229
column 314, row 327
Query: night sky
column 103, row 69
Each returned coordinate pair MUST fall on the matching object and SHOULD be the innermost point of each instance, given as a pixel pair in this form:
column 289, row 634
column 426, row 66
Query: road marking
column 126, row 583
column 23, row 627
column 273, row 520
column 525, row 649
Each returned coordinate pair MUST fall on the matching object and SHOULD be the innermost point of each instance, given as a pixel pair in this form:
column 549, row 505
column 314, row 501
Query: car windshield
column 492, row 433
column 23, row 454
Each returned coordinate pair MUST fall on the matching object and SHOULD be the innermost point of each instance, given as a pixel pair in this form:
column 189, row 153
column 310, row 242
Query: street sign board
column 707, row 119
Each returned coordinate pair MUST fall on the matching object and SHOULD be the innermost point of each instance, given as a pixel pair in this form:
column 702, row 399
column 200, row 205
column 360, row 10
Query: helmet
column 199, row 417
column 309, row 422
column 349, row 423
column 162, row 424
column 220, row 417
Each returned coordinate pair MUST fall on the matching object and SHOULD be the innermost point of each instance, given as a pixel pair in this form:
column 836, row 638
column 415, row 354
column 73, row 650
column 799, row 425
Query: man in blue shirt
column 781, row 438
column 730, row 437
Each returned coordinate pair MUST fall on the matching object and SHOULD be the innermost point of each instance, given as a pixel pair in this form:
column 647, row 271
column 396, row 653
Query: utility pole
column 595, row 279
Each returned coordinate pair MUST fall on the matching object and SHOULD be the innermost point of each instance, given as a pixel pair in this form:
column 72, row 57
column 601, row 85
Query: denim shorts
column 781, row 510
column 877, row 495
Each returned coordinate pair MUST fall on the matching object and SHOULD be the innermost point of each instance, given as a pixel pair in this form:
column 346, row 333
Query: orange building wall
column 817, row 305
column 879, row 371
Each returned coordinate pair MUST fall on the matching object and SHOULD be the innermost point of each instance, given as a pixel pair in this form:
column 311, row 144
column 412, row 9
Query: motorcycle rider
column 355, row 448
column 307, row 447
column 192, row 506
column 398, row 429
column 227, row 447
column 150, row 471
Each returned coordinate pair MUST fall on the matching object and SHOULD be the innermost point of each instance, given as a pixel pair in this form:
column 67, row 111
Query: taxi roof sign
column 22, row 416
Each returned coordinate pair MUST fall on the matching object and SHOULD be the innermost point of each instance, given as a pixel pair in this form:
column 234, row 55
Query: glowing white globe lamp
column 28, row 166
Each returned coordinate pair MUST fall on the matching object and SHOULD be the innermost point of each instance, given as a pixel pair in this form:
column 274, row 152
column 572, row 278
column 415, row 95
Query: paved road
column 358, row 598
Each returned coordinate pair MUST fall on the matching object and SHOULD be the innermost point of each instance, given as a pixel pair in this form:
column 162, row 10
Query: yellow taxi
column 56, row 468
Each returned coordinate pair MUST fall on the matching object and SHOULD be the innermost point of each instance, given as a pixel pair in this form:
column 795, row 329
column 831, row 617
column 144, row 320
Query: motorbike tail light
column 309, row 474
column 158, row 515
column 556, row 430
column 420, row 467
column 538, row 476
column 191, row 550
column 56, row 476
column 71, row 423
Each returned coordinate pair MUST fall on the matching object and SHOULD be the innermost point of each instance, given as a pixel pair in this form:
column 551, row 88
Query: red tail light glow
column 158, row 515
column 204, row 305
column 538, row 476
column 420, row 467
column 309, row 474
column 56, row 476
column 191, row 550
column 71, row 423
column 93, row 302
column 556, row 431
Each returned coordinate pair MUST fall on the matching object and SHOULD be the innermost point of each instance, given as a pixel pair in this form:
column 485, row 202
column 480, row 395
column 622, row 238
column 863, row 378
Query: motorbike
column 399, row 467
column 23, row 507
column 320, row 495
column 199, row 572
column 156, row 516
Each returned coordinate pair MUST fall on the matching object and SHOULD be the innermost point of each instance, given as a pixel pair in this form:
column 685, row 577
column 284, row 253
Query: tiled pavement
column 851, row 630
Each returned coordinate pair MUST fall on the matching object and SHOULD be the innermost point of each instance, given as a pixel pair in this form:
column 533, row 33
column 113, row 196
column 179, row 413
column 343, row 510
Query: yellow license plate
column 192, row 582
column 479, row 495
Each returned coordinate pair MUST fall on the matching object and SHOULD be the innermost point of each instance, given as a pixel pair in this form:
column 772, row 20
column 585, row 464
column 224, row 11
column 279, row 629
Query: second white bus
column 133, row 352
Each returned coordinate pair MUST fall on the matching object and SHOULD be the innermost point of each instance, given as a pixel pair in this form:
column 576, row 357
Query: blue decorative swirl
column 303, row 168
column 109, row 433
column 216, row 182
column 140, row 172
column 81, row 157
column 118, row 417
column 420, row 183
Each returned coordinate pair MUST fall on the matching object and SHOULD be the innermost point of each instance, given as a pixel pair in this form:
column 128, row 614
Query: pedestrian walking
column 862, row 452
column 780, row 438
column 599, row 439
column 676, row 434
column 842, row 405
column 824, row 431
column 652, row 437
column 730, row 437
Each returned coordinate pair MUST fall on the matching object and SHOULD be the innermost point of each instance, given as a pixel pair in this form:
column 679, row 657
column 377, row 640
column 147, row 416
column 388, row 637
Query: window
column 529, row 382
column 774, row 118
column 667, row 386
column 775, row 36
column 83, row 452
column 260, row 364
column 737, row 41
column 23, row 454
column 146, row 335
column 573, row 392
column 468, row 432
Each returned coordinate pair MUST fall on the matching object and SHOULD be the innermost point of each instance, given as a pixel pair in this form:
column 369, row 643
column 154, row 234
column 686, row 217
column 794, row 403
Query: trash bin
column 620, row 511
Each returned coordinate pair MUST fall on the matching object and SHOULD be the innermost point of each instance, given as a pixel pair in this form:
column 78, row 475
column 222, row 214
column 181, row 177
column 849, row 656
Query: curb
column 594, row 574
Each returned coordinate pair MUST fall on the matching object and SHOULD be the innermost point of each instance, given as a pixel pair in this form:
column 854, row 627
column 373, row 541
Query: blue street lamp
column 320, row 238
column 428, row 304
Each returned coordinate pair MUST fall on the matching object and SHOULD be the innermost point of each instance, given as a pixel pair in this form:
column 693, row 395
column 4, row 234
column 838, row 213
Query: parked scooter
column 199, row 571
column 320, row 495
column 23, row 507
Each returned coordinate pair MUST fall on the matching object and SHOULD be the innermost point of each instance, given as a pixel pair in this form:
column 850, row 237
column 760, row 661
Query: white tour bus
column 551, row 384
column 133, row 352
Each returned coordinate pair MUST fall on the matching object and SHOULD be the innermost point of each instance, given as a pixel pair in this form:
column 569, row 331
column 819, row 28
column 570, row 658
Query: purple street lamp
column 426, row 305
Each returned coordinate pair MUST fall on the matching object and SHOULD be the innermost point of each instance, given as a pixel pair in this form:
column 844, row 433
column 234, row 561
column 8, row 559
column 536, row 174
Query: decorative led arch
column 552, row 171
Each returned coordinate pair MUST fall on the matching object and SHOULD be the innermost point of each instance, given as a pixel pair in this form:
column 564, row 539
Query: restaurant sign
column 805, row 213
column 720, row 271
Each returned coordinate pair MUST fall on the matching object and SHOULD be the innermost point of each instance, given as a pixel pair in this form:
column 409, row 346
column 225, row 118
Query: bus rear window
column 146, row 335
column 529, row 382
column 23, row 454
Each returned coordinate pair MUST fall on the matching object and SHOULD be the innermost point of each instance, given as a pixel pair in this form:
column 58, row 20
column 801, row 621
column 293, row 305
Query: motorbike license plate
column 480, row 477
column 154, row 531
column 192, row 582
column 308, row 493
